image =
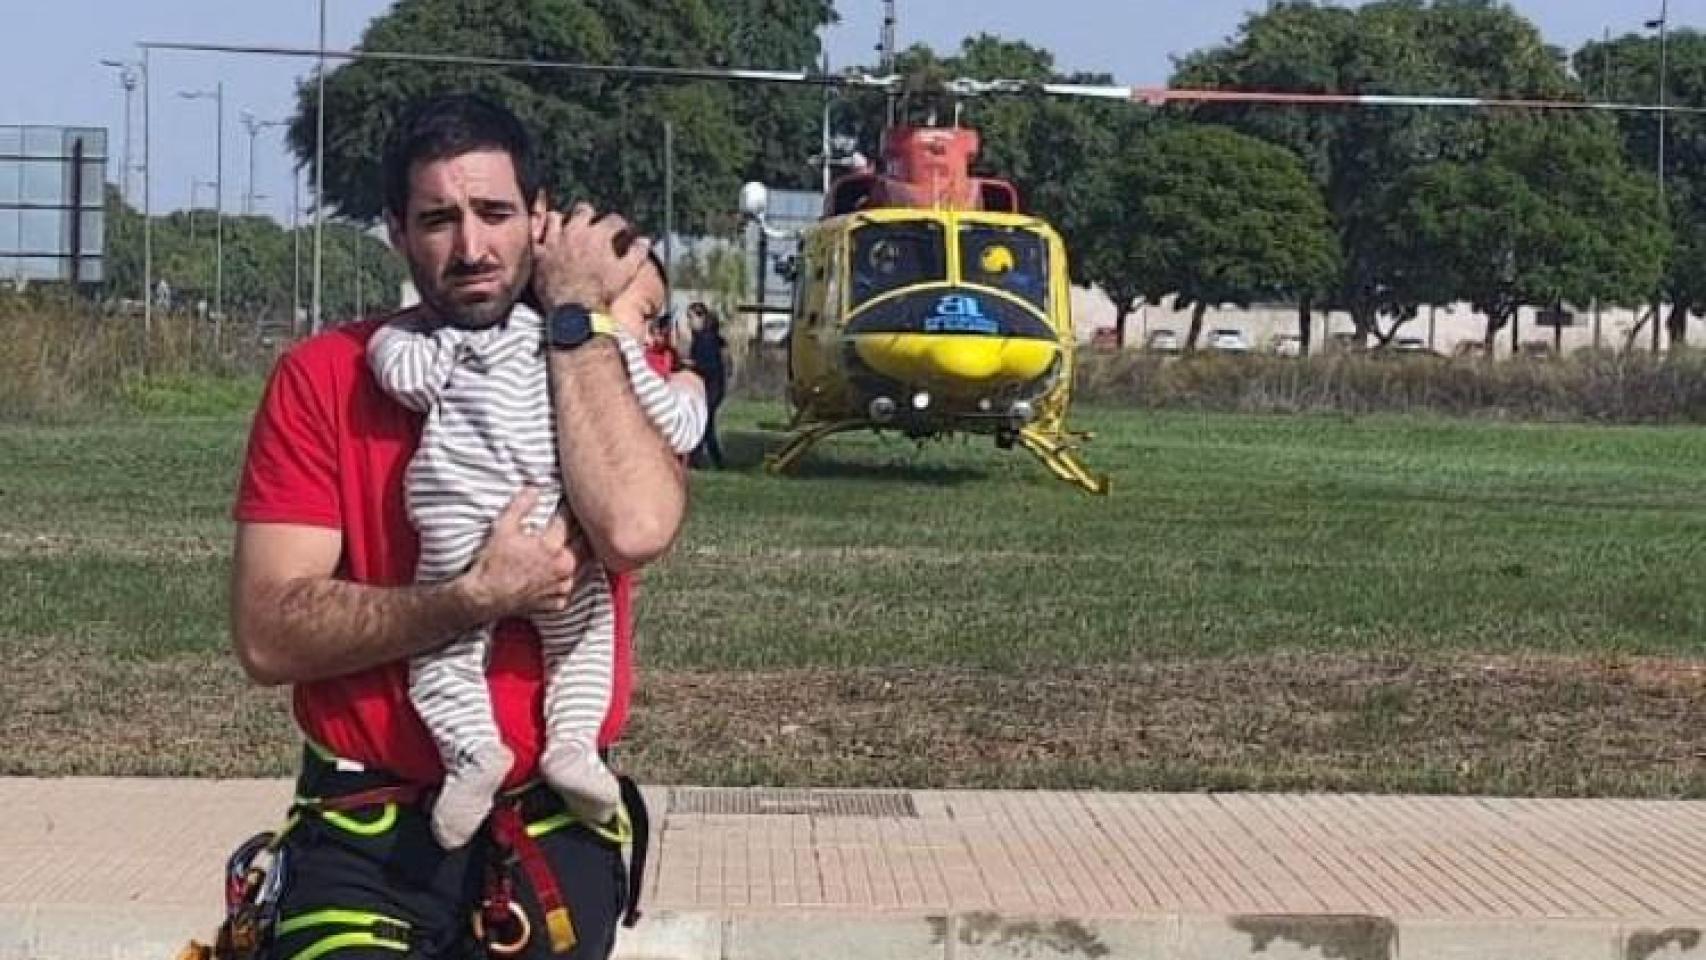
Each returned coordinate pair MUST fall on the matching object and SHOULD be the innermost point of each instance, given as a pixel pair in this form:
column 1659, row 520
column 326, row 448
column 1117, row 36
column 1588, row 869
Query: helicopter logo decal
column 958, row 313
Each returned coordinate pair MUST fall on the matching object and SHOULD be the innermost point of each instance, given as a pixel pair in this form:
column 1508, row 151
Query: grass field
column 1276, row 603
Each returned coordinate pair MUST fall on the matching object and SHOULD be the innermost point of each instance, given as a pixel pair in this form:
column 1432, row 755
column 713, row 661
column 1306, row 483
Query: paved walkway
column 122, row 869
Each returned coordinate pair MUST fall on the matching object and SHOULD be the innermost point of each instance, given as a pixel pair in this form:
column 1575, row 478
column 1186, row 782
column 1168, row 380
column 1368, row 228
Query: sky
column 51, row 71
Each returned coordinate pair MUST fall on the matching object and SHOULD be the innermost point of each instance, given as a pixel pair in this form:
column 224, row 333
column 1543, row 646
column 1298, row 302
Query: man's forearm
column 314, row 628
column 624, row 485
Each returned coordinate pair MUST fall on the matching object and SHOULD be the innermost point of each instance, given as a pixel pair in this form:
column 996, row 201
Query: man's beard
column 436, row 294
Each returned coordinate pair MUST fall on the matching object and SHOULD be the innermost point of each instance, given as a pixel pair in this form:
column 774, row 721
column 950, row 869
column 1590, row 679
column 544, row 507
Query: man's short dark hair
column 449, row 126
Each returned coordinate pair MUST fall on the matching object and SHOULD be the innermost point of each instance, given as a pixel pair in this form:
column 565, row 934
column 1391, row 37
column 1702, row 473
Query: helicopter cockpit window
column 888, row 256
column 1007, row 259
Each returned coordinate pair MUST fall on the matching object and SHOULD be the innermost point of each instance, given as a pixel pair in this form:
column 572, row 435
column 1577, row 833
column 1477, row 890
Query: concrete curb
column 156, row 933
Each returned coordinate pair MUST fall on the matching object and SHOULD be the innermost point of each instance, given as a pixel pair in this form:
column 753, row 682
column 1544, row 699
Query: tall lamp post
column 217, row 95
column 319, row 171
column 254, row 126
column 1662, row 25
column 128, row 77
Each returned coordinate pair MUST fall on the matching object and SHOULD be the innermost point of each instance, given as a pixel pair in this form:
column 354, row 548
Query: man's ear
column 394, row 229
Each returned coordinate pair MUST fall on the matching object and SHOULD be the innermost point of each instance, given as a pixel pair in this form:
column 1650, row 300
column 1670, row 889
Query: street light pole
column 128, row 79
column 295, row 248
column 254, row 126
column 147, row 212
column 217, row 95
column 319, row 171
column 668, row 202
column 1663, row 25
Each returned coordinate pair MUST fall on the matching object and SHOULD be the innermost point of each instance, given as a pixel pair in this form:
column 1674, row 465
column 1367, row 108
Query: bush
column 1633, row 388
column 60, row 356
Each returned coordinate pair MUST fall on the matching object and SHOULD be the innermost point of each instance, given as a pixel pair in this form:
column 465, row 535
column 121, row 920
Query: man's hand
column 521, row 571
column 580, row 259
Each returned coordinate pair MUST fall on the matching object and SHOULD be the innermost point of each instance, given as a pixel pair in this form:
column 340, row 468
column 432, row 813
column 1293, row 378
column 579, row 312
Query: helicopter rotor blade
column 960, row 87
column 1162, row 96
column 848, row 80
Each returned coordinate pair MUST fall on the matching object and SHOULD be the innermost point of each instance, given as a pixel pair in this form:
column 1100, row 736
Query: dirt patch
column 66, row 713
column 1537, row 726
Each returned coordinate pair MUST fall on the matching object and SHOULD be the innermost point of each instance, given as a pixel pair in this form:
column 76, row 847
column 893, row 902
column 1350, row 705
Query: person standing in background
column 707, row 356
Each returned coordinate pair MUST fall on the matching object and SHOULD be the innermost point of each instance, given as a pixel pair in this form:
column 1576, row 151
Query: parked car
column 1228, row 340
column 1162, row 341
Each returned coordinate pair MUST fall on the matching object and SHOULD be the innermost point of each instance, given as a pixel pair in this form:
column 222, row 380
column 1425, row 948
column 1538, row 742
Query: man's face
column 468, row 236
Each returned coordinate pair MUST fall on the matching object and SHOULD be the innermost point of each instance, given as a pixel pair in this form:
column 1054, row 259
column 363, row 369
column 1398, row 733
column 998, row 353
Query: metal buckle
column 523, row 927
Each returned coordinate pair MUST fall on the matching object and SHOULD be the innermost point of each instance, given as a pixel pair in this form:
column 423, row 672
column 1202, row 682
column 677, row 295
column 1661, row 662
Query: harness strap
column 509, row 829
column 641, row 826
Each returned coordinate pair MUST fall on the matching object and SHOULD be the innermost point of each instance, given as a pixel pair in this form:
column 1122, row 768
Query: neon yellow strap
column 343, row 821
column 333, row 916
column 386, row 820
column 344, row 941
column 620, row 830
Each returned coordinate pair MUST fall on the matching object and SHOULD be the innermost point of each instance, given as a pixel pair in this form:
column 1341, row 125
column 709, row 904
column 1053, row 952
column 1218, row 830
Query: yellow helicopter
column 926, row 303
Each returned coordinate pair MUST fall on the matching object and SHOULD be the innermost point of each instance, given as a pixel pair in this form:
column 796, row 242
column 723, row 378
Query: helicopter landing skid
column 785, row 459
column 1061, row 459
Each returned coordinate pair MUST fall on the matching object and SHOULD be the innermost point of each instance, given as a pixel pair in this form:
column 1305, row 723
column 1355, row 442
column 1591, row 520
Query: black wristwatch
column 573, row 325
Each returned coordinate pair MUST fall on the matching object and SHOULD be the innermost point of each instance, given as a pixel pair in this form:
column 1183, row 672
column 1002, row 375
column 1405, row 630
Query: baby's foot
column 586, row 785
column 466, row 797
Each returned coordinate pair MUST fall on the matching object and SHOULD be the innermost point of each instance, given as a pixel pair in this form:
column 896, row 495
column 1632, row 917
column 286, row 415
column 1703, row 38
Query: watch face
column 571, row 325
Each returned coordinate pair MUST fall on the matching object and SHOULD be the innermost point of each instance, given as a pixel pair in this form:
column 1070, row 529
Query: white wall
column 1450, row 325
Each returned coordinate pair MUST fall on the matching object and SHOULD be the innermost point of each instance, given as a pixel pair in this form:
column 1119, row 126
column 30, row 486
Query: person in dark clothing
column 706, row 355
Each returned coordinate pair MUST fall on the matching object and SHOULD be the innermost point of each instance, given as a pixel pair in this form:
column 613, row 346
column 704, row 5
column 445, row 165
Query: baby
column 489, row 431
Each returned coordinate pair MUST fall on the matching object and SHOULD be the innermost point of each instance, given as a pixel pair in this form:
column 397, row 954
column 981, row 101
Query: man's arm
column 624, row 484
column 293, row 621
column 625, row 487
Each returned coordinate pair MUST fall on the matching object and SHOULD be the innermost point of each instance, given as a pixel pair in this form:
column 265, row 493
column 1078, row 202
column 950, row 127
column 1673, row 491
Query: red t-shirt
column 328, row 449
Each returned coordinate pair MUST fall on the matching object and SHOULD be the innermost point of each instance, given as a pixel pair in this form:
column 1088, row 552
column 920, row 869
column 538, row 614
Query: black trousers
column 373, row 883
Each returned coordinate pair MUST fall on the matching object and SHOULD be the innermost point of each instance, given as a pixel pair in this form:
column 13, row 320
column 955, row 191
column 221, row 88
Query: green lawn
column 1386, row 603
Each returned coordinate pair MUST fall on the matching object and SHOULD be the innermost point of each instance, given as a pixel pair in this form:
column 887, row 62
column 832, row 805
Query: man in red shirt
column 323, row 594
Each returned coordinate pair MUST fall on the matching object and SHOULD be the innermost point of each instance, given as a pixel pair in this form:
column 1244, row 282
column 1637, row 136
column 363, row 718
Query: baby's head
column 647, row 296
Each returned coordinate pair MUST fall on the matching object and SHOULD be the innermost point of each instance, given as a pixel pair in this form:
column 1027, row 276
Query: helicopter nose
column 957, row 366
column 966, row 358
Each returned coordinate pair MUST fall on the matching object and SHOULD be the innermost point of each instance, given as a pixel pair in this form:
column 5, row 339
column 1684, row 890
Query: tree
column 1211, row 216
column 784, row 124
column 1550, row 216
column 258, row 263
column 1627, row 70
column 598, row 137
column 1446, row 47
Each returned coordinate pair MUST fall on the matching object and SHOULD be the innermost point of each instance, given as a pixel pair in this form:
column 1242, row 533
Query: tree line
column 1372, row 212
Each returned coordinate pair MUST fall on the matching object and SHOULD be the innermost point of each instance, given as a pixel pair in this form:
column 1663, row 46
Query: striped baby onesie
column 489, row 431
